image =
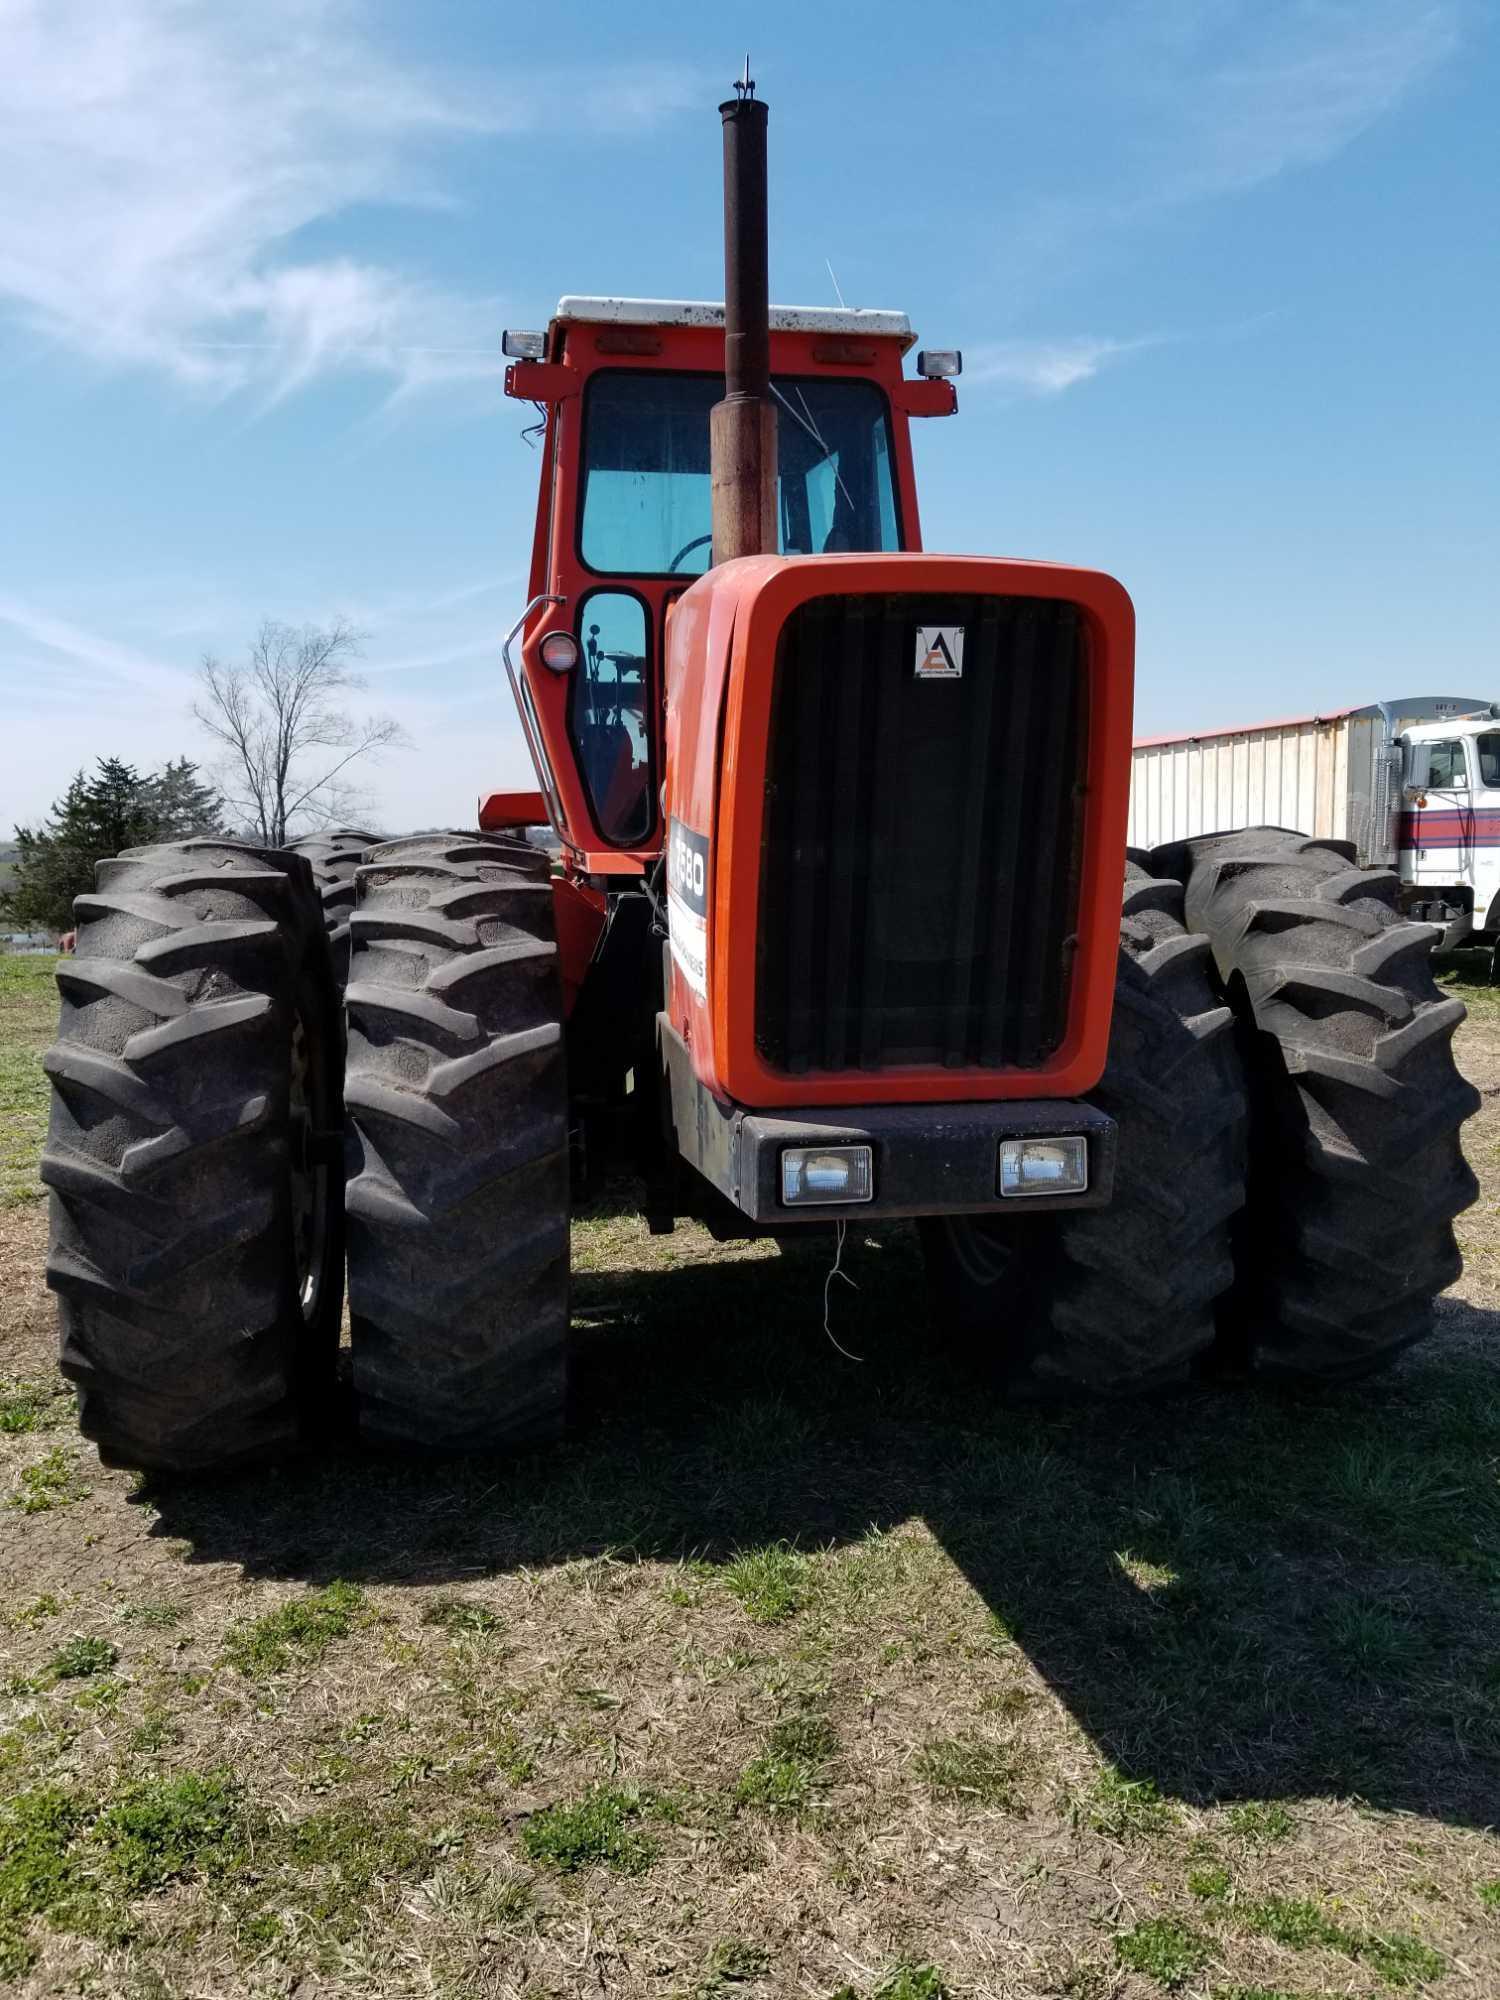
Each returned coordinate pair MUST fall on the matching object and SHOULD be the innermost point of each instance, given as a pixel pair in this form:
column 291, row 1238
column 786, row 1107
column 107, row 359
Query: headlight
column 827, row 1173
column 1044, row 1166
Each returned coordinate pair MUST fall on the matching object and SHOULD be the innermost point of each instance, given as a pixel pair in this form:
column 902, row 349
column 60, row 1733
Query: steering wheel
column 687, row 549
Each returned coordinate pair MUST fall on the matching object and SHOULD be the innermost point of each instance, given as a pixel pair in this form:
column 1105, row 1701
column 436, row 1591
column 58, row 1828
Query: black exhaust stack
column 742, row 434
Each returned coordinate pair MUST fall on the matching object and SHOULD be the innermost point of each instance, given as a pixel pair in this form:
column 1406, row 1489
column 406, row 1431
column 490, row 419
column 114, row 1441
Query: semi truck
column 1413, row 783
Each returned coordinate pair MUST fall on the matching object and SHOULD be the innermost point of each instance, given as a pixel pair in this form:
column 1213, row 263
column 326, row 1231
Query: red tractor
column 844, row 930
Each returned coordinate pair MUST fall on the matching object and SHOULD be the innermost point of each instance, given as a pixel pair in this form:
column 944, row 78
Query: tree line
column 101, row 813
column 287, row 743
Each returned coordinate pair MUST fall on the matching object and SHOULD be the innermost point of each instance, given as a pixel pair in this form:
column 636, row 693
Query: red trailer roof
column 1246, row 728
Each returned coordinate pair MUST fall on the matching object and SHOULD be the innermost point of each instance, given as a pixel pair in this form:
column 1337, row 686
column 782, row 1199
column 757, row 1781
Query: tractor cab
column 625, row 389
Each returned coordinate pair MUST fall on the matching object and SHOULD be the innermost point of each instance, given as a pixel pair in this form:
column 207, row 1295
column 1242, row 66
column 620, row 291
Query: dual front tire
column 1356, row 1168
column 209, row 1134
column 1120, row 1299
column 192, row 1154
column 1289, row 1164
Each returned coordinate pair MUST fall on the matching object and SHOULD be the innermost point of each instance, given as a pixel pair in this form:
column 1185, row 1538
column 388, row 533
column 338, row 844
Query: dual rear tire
column 458, row 1189
column 335, row 857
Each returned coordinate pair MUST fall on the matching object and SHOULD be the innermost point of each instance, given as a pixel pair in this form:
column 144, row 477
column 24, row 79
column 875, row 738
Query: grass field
column 28, row 1014
column 789, row 1674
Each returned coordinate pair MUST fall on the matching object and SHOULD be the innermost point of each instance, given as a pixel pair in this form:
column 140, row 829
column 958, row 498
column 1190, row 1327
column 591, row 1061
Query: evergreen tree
column 50, row 868
column 183, row 805
column 117, row 810
column 96, row 817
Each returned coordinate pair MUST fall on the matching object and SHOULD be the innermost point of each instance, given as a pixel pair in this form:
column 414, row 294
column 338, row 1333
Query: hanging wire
column 534, row 433
column 837, row 1271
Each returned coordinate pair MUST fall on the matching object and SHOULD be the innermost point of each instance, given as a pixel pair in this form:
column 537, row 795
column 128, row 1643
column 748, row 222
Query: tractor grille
column 919, row 885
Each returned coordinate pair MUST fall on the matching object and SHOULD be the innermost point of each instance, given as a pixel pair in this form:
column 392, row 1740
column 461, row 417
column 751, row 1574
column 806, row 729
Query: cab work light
column 559, row 651
column 1044, row 1166
column 939, row 362
column 827, row 1173
column 523, row 346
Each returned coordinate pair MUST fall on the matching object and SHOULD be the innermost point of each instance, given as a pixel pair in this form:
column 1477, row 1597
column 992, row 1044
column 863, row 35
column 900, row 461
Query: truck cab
column 1448, row 837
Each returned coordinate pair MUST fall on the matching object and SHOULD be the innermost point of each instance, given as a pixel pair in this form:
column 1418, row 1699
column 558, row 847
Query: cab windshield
column 1487, row 750
column 645, row 508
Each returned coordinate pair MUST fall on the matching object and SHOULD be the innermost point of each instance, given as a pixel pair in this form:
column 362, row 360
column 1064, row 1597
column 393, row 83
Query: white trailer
column 1414, row 784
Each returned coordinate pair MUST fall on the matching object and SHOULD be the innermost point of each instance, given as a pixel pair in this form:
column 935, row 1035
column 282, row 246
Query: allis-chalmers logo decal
column 940, row 652
column 687, row 904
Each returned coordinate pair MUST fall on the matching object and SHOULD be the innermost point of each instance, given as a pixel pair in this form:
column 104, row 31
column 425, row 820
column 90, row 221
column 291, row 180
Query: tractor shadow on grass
column 1237, row 1594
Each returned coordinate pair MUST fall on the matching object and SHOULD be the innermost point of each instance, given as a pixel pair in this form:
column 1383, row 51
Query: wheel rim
column 309, row 1178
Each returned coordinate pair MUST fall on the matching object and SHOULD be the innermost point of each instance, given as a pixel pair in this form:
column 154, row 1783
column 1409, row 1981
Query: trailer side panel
column 1296, row 774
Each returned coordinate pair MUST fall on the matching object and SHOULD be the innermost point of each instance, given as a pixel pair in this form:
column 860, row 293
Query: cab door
column 1439, row 832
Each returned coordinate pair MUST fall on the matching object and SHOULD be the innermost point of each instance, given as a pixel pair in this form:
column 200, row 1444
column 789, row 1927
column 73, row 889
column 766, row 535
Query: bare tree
column 288, row 737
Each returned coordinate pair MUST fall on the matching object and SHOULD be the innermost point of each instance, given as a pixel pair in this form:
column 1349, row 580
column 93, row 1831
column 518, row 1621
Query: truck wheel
column 458, row 1164
column 1356, row 1170
column 1120, row 1300
column 333, row 857
column 193, row 1158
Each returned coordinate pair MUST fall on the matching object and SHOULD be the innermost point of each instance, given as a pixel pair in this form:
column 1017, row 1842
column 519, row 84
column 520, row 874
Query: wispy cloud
column 1046, row 367
column 1186, row 101
column 161, row 156
column 1285, row 86
column 60, row 642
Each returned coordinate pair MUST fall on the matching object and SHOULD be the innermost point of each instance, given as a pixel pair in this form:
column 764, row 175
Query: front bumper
column 930, row 1159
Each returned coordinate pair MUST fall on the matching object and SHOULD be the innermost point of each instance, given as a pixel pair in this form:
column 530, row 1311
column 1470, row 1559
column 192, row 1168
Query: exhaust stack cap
column 742, row 428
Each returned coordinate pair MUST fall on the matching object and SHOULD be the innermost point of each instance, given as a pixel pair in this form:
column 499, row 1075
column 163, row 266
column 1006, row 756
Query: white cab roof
column 708, row 312
column 1477, row 721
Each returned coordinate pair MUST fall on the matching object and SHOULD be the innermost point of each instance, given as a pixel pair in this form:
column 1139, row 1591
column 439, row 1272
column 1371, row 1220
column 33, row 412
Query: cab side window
column 608, row 714
column 1445, row 770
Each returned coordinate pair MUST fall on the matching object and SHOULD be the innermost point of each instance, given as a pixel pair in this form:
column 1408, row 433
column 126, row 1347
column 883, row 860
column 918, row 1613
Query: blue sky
column 1225, row 274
